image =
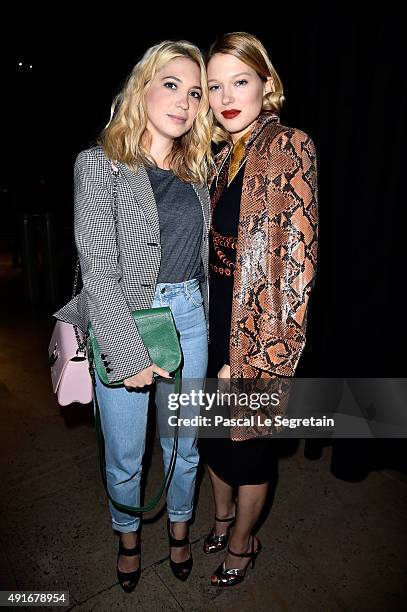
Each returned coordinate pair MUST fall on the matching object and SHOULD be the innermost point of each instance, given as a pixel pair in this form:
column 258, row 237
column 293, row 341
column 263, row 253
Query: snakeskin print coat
column 276, row 250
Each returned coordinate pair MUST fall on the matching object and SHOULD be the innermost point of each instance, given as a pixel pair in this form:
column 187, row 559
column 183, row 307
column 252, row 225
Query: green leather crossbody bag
column 158, row 332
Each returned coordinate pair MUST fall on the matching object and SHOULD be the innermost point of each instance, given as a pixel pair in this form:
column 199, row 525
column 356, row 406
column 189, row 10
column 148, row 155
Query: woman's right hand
column 224, row 372
column 145, row 377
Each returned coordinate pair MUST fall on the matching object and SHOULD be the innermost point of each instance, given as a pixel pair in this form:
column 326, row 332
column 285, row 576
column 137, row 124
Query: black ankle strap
column 129, row 552
column 177, row 543
column 246, row 554
column 225, row 520
column 173, row 541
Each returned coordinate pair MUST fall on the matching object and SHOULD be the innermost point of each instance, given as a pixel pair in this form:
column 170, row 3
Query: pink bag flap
column 76, row 384
column 62, row 347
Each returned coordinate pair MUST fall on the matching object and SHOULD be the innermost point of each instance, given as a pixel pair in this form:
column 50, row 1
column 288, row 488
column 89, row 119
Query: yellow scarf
column 238, row 156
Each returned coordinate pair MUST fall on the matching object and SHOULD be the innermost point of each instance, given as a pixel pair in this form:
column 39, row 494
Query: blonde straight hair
column 248, row 49
column 123, row 138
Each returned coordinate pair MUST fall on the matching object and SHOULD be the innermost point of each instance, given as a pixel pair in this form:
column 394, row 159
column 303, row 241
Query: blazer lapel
column 203, row 196
column 143, row 192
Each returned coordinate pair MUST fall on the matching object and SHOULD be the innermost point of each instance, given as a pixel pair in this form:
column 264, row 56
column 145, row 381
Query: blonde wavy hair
column 248, row 49
column 124, row 137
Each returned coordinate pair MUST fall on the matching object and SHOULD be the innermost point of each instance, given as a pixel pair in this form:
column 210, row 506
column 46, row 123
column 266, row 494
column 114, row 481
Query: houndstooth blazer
column 119, row 262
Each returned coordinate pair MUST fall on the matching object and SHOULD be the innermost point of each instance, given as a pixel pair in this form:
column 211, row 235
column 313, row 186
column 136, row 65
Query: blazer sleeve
column 292, row 204
column 95, row 237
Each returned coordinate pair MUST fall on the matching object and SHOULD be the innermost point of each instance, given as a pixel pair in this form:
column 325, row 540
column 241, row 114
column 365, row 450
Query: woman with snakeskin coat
column 262, row 263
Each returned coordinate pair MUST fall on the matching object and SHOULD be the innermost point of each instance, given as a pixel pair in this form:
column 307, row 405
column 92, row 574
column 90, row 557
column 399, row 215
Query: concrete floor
column 329, row 545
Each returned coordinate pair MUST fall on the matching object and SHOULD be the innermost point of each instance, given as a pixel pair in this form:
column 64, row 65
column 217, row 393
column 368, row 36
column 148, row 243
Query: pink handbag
column 70, row 375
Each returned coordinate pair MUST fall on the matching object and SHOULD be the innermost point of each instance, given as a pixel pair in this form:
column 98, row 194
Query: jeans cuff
column 126, row 527
column 179, row 516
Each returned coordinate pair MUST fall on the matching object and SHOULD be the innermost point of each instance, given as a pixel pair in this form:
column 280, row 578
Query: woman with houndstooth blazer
column 153, row 252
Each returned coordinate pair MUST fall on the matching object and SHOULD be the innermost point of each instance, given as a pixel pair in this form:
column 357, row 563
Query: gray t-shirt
column 181, row 227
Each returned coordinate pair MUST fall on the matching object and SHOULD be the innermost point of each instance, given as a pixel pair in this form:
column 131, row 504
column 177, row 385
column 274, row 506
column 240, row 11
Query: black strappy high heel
column 214, row 543
column 128, row 580
column 182, row 569
column 234, row 575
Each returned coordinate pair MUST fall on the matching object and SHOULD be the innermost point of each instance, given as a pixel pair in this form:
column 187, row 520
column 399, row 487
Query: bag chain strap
column 81, row 344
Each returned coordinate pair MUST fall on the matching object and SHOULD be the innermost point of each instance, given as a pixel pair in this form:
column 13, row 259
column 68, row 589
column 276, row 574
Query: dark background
column 343, row 77
column 343, row 67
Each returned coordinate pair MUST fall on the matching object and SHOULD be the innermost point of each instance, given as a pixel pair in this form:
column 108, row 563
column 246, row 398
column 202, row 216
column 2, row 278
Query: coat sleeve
column 95, row 237
column 292, row 253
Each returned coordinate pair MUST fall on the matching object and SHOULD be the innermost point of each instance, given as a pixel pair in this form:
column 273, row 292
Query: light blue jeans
column 123, row 416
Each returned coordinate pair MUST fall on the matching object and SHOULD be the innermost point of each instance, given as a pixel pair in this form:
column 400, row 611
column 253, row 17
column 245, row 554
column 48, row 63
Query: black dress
column 251, row 461
column 222, row 257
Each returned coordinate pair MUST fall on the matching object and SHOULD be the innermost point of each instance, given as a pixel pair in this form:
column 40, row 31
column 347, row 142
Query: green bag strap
column 102, row 460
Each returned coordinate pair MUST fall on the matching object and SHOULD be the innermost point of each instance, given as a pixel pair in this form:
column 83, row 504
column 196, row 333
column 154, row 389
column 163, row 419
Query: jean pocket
column 195, row 297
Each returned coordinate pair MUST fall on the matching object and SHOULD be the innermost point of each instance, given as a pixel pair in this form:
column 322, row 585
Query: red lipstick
column 230, row 114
